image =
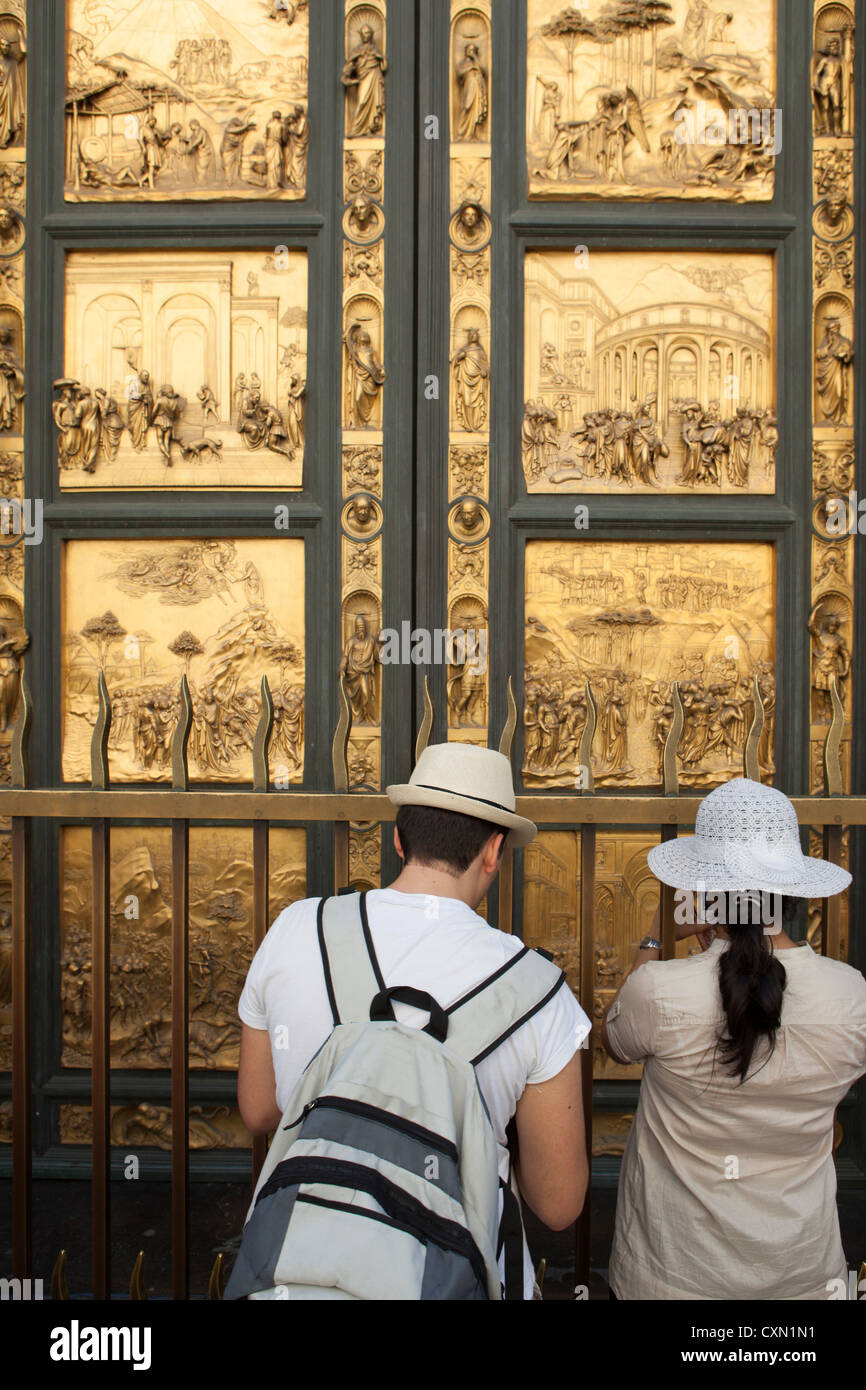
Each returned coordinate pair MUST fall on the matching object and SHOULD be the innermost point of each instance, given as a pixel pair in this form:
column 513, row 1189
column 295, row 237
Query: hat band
column 482, row 800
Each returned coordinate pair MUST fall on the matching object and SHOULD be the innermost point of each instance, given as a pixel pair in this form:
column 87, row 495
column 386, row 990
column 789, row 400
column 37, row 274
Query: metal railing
column 102, row 805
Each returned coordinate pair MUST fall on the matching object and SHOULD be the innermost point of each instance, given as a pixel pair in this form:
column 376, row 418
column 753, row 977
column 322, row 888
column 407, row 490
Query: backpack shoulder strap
column 483, row 1019
column 352, row 974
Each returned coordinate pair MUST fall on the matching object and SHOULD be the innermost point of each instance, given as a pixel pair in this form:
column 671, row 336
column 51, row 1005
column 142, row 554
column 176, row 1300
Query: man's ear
column 493, row 852
column 398, row 847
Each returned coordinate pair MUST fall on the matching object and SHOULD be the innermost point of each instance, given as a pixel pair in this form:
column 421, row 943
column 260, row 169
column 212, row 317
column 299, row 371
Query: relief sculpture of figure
column 472, row 380
column 110, row 424
column 11, row 381
column 295, row 413
column 261, row 425
column 297, row 147
column 168, row 409
column 472, row 85
column 232, row 148
column 830, row 657
column 828, row 88
column 14, row 642
column 358, row 665
column 364, row 73
column 366, row 376
column 12, row 102
column 833, row 362
column 140, row 409
column 201, row 153
column 65, row 415
column 275, row 141
column 89, row 424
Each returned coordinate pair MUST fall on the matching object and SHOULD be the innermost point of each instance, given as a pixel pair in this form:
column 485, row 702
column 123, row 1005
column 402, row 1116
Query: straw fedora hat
column 474, row 781
column 746, row 837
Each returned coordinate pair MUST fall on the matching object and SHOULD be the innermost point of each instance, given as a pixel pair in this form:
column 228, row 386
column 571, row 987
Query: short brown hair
column 429, row 835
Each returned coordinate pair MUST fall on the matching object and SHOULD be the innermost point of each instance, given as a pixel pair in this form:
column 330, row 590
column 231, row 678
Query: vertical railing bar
column 261, row 866
column 583, row 1232
column 669, row 832
column 180, row 1009
column 340, row 764
column 587, row 1001
column 831, row 908
column 506, row 872
column 100, row 974
column 22, row 1060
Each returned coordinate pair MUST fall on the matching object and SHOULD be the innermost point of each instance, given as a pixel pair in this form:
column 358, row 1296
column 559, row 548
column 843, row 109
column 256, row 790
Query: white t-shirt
column 435, row 944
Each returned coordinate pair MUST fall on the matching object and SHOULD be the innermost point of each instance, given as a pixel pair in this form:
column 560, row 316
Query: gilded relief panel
column 468, row 462
column 632, row 618
column 220, row 940
column 364, row 81
column 149, row 1126
column 626, row 899
column 641, row 99
column 650, row 371
column 835, row 519
column 179, row 100
column 179, row 368
column 145, row 613
column 20, row 517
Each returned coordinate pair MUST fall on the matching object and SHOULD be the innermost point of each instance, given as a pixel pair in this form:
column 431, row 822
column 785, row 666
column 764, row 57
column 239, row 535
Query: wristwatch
column 649, row 943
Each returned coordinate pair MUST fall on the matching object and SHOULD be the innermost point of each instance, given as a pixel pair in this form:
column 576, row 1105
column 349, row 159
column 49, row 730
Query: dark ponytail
column 752, row 981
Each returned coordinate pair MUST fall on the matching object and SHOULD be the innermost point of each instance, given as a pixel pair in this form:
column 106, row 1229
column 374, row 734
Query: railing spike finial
column 137, row 1290
column 264, row 730
column 426, row 728
column 216, row 1282
column 99, row 741
column 20, row 748
column 834, row 783
column 672, row 743
column 751, row 765
column 586, row 741
column 340, row 747
column 59, row 1286
column 507, row 740
column 180, row 739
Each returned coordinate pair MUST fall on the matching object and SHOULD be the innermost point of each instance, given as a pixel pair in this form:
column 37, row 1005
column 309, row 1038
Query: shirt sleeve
column 561, row 1029
column 251, row 1005
column 630, row 1021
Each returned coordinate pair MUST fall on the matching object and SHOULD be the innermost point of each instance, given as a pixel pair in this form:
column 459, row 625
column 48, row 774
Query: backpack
column 382, row 1181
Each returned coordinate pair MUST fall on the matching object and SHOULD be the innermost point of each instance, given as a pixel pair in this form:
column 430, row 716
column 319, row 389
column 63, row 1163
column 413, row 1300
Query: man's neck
column 426, row 881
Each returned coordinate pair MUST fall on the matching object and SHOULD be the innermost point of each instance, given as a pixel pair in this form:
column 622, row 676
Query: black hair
column 752, row 981
column 429, row 835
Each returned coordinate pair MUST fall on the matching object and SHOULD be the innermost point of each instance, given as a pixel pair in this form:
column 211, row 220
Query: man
column 275, row 140
column 454, row 819
column 232, row 149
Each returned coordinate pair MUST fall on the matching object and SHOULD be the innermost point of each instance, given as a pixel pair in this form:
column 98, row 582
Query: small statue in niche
column 831, row 659
column 828, row 88
column 358, row 665
column 472, row 87
column 364, row 75
column 12, row 390
column 14, row 641
column 832, row 372
column 366, row 376
column 12, row 101
column 472, row 380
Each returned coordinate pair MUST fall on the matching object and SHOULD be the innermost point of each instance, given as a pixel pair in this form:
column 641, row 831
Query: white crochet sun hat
column 746, row 836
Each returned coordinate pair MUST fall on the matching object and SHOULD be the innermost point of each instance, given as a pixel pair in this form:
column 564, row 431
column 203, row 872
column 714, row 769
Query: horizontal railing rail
column 100, row 804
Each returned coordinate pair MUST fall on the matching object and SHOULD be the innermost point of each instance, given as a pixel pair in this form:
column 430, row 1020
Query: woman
column 727, row 1188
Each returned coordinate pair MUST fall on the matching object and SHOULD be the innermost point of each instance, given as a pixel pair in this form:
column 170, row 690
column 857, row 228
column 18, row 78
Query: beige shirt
column 728, row 1191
